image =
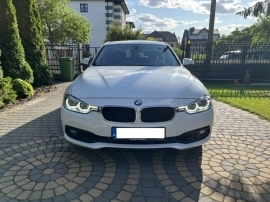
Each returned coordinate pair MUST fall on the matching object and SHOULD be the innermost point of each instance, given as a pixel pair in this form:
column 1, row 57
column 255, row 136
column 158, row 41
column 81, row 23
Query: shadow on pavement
column 36, row 163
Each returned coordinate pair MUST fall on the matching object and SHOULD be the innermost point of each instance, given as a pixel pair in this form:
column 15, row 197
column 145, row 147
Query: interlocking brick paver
column 37, row 164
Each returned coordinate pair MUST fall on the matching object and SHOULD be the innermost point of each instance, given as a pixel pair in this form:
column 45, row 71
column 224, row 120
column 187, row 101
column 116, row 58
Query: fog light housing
column 73, row 131
column 201, row 132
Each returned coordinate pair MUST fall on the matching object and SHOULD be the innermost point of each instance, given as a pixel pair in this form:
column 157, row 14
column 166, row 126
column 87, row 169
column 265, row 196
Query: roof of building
column 194, row 31
column 166, row 35
column 131, row 24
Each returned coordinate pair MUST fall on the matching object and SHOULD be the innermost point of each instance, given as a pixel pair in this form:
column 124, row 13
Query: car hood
column 137, row 82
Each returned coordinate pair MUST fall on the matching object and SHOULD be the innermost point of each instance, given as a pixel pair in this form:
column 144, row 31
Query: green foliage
column 1, row 71
column 179, row 53
column 14, row 64
column 256, row 33
column 7, row 94
column 261, row 8
column 150, row 39
column 30, row 30
column 61, row 24
column 261, row 31
column 237, row 36
column 119, row 33
column 23, row 88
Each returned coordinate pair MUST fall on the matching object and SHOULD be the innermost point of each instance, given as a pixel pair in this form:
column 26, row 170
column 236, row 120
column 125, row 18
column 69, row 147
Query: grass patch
column 252, row 98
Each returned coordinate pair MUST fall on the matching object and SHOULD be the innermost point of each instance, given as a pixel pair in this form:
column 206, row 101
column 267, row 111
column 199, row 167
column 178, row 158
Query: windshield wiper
column 165, row 49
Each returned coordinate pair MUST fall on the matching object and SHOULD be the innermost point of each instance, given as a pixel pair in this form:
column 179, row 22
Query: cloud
column 203, row 7
column 217, row 20
column 133, row 11
column 129, row 3
column 232, row 27
column 152, row 22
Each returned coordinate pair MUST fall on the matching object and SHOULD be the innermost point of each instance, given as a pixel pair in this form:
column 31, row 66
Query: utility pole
column 212, row 21
column 209, row 45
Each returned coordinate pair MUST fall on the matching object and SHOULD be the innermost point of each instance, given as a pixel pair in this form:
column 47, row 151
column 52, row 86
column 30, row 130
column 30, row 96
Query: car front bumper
column 93, row 123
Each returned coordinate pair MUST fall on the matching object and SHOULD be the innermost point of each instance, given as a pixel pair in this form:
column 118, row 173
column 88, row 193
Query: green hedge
column 7, row 94
column 23, row 88
column 30, row 30
column 13, row 56
column 1, row 71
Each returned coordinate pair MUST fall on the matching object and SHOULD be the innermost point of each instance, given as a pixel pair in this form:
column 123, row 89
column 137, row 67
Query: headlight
column 73, row 104
column 200, row 105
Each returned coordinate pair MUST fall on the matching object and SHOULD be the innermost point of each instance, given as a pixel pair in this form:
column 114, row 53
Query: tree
column 261, row 30
column 150, row 39
column 119, row 33
column 30, row 31
column 260, row 8
column 237, row 36
column 61, row 24
column 14, row 64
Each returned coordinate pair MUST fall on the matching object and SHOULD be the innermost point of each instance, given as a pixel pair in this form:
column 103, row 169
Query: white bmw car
column 137, row 94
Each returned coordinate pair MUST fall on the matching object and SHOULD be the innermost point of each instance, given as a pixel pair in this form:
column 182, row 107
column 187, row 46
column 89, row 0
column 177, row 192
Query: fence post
column 79, row 56
column 244, row 52
column 187, row 53
column 207, row 61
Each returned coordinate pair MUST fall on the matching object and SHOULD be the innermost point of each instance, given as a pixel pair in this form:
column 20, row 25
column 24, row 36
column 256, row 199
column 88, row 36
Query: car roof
column 128, row 42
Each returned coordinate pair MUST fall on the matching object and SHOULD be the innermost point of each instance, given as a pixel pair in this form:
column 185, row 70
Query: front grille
column 119, row 114
column 157, row 114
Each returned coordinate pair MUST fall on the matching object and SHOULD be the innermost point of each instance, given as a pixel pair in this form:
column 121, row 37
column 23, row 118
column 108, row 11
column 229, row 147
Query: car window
column 136, row 55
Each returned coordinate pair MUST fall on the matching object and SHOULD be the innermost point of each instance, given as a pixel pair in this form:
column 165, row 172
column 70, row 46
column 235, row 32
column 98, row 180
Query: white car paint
column 155, row 86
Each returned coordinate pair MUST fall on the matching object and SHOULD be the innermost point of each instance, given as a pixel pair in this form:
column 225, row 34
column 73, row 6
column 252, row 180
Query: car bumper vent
column 119, row 114
column 157, row 114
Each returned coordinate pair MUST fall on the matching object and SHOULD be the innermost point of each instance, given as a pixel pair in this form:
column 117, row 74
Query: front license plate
column 138, row 133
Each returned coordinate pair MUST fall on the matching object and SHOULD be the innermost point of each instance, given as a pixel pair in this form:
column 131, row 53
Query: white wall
column 200, row 36
column 96, row 17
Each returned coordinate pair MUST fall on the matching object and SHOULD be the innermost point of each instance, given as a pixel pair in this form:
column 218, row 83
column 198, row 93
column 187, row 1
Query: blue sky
column 177, row 15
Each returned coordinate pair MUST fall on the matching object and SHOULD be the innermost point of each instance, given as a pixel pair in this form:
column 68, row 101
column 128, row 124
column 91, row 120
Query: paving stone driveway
column 37, row 164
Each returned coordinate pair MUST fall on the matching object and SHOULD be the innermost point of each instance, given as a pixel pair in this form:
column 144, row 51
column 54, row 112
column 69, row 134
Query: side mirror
column 85, row 62
column 188, row 62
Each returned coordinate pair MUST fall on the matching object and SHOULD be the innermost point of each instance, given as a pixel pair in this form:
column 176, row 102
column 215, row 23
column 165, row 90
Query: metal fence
column 75, row 51
column 212, row 62
column 229, row 61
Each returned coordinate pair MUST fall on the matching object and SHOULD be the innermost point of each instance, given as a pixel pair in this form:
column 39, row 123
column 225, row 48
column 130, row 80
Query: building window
column 108, row 7
column 84, row 8
column 204, row 36
column 117, row 17
column 108, row 21
column 108, row 14
column 117, row 10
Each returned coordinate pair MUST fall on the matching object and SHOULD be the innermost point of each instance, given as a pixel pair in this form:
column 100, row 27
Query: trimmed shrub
column 23, row 88
column 14, row 64
column 30, row 30
column 1, row 71
column 7, row 94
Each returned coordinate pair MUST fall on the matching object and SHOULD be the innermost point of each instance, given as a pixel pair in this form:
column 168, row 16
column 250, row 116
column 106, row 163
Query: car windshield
column 135, row 55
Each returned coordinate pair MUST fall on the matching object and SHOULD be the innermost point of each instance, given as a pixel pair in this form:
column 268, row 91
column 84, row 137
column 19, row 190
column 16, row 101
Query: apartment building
column 100, row 14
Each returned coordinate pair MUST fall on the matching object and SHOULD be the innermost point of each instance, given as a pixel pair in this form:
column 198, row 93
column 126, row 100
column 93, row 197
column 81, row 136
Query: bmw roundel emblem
column 138, row 102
